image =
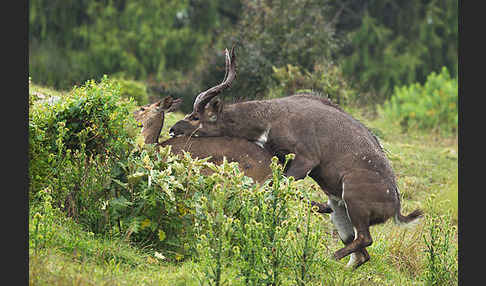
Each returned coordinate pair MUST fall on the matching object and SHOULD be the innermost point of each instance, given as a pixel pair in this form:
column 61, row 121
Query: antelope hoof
column 338, row 255
column 334, row 257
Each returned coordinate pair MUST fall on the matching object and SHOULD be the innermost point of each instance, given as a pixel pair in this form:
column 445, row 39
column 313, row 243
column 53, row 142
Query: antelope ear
column 166, row 102
column 156, row 105
column 175, row 105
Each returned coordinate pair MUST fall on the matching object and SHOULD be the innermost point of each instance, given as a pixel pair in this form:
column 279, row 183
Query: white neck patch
column 263, row 138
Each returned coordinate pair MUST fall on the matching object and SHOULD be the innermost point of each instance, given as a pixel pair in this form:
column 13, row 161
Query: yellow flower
column 179, row 257
column 145, row 223
column 161, row 235
column 182, row 210
column 37, row 216
column 151, row 260
column 146, row 160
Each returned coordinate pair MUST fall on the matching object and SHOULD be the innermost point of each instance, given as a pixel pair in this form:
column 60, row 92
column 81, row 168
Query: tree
column 273, row 34
column 389, row 43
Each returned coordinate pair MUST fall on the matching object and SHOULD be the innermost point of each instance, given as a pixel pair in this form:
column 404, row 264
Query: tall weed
column 268, row 234
column 440, row 248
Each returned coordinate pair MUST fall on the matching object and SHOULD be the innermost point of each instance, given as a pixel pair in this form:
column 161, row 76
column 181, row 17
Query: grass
column 55, row 267
column 426, row 166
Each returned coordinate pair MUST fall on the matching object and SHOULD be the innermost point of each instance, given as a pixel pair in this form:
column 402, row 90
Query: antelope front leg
column 323, row 208
column 300, row 167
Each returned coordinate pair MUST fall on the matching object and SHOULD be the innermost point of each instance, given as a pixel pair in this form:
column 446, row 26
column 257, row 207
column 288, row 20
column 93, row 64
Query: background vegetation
column 175, row 47
column 106, row 209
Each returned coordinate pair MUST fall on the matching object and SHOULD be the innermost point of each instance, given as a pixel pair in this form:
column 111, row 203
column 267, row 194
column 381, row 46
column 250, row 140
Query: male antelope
column 333, row 148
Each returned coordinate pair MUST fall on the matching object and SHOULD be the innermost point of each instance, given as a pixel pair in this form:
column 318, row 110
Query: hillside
column 63, row 251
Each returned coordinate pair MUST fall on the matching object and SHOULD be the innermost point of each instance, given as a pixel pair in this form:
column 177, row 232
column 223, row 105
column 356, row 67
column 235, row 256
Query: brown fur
column 253, row 160
column 333, row 148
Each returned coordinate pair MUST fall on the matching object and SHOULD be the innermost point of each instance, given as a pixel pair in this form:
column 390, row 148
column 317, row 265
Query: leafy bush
column 153, row 205
column 325, row 79
column 74, row 144
column 137, row 90
column 432, row 106
column 267, row 233
column 221, row 220
column 274, row 33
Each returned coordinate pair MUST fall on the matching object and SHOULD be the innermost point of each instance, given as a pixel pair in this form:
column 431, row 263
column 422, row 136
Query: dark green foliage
column 177, row 45
column 73, row 42
column 274, row 34
column 390, row 43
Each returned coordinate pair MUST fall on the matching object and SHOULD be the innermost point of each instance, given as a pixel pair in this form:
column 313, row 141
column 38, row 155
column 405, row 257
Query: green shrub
column 432, row 106
column 325, row 79
column 42, row 218
column 153, row 204
column 75, row 142
column 223, row 221
column 137, row 90
column 267, row 234
column 93, row 116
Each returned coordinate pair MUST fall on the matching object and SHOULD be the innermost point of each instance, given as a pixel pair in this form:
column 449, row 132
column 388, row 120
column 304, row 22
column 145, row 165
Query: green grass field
column 426, row 166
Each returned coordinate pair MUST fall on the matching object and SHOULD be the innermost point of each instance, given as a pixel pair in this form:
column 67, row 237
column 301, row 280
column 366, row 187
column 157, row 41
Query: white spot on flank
column 263, row 138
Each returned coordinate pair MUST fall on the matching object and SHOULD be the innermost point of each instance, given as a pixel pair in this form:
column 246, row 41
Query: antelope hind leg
column 358, row 258
column 359, row 213
column 341, row 221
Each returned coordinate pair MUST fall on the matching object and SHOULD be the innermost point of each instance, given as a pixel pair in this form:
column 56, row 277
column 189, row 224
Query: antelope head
column 206, row 117
column 151, row 117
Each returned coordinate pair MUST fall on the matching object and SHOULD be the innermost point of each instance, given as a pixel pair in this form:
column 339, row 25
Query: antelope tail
column 408, row 220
